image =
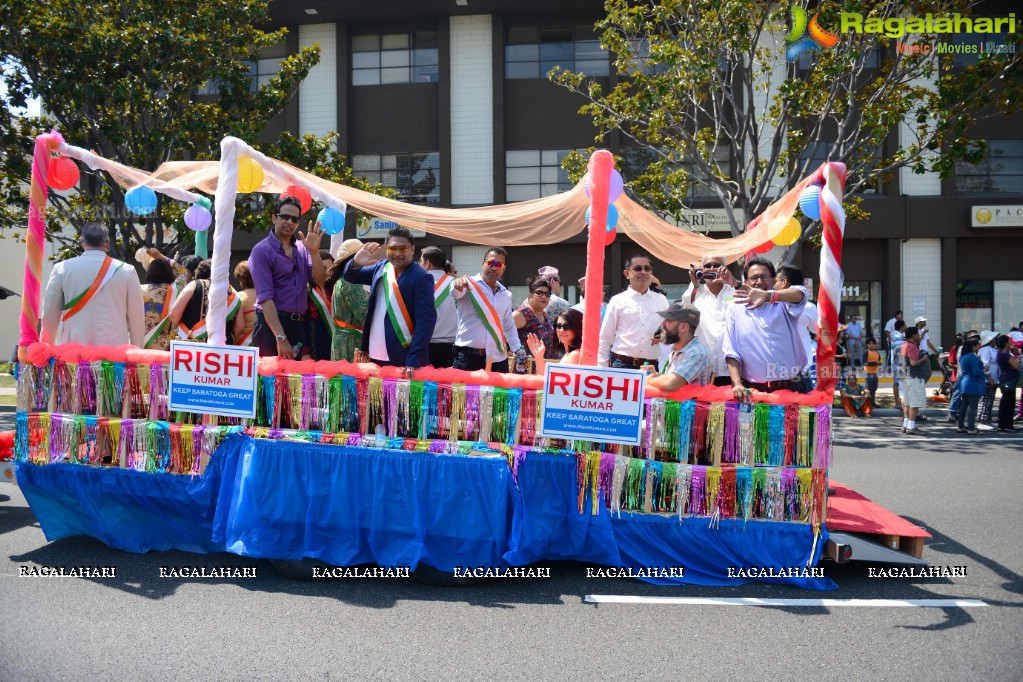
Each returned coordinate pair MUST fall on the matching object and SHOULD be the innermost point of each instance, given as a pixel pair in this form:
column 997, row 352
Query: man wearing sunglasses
column 401, row 315
column 711, row 291
column 486, row 329
column 762, row 345
column 282, row 270
column 631, row 320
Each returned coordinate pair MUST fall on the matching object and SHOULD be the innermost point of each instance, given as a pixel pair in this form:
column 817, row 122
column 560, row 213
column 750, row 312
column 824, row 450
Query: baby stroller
column 943, row 393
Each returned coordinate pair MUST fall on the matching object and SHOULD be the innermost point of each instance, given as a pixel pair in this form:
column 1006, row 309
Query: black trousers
column 265, row 340
column 442, row 354
column 471, row 359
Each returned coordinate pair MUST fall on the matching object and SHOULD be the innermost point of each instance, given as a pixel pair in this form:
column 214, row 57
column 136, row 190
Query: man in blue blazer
column 401, row 315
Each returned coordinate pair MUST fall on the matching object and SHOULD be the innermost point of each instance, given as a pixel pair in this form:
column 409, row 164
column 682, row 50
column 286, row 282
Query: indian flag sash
column 324, row 307
column 199, row 331
column 488, row 315
column 397, row 311
column 442, row 290
column 105, row 274
column 164, row 323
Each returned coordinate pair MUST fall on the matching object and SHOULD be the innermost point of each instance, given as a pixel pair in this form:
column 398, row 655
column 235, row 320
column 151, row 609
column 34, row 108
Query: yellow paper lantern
column 789, row 234
column 250, row 175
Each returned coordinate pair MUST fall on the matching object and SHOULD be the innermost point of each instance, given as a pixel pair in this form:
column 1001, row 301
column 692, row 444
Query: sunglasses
column 712, row 265
column 545, row 294
column 289, row 218
column 641, row 268
column 561, row 325
column 398, row 249
column 495, row 264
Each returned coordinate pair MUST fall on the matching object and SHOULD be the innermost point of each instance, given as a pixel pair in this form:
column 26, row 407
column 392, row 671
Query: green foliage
column 707, row 80
column 142, row 82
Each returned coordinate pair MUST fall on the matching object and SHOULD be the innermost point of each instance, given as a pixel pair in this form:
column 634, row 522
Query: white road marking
column 753, row 601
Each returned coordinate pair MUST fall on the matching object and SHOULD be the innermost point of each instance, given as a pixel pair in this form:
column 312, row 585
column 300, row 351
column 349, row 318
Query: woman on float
column 531, row 320
column 569, row 329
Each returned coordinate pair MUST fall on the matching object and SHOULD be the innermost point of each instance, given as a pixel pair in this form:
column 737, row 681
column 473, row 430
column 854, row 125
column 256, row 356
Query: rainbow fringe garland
column 719, row 460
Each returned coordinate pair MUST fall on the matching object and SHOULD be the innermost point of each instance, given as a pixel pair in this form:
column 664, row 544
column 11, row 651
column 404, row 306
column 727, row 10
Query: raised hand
column 462, row 283
column 313, row 239
column 535, row 345
column 368, row 255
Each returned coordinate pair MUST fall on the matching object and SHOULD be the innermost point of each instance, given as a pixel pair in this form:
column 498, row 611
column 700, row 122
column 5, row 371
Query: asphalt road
column 966, row 492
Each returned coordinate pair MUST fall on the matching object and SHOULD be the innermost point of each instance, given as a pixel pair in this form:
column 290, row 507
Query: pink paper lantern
column 63, row 173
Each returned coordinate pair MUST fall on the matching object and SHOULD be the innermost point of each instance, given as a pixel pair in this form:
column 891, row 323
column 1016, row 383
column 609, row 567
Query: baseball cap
column 682, row 313
column 920, row 319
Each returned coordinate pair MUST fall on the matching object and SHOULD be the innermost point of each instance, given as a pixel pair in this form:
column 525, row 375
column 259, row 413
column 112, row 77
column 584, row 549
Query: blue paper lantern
column 612, row 217
column 810, row 202
column 331, row 220
column 140, row 200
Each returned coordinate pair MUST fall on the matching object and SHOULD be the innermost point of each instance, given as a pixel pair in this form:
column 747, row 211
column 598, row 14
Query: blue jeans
column 621, row 364
column 968, row 412
column 955, row 401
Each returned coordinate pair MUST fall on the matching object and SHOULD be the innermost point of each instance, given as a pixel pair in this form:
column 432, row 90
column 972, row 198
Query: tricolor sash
column 397, row 311
column 442, row 290
column 164, row 323
column 488, row 315
column 105, row 274
column 199, row 331
column 346, row 327
column 324, row 307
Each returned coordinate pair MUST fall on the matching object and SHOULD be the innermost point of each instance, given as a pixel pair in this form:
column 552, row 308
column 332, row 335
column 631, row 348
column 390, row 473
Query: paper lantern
column 331, row 220
column 300, row 193
column 789, row 234
column 250, row 175
column 609, row 236
column 140, row 200
column 612, row 217
column 764, row 248
column 810, row 202
column 63, row 173
column 198, row 218
column 614, row 190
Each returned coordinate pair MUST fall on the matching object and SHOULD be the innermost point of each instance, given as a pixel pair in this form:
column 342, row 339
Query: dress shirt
column 692, row 363
column 807, row 325
column 766, row 341
column 277, row 277
column 471, row 331
column 854, row 332
column 711, row 330
column 447, row 316
column 629, row 324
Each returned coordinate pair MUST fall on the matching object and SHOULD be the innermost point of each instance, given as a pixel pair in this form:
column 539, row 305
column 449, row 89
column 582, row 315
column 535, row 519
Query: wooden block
column 912, row 546
column 889, row 541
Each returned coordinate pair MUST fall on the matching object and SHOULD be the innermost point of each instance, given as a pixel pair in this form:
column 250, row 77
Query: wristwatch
column 281, row 337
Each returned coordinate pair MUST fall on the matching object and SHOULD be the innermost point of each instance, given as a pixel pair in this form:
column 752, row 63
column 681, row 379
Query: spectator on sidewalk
column 919, row 371
column 889, row 334
column 871, row 361
column 1008, row 377
column 856, row 402
column 972, row 384
column 898, row 338
column 854, row 336
column 989, row 358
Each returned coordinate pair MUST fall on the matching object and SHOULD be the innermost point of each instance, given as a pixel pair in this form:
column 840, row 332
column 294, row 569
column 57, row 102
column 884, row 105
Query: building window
column 260, row 71
column 532, row 52
column 987, row 304
column 636, row 160
column 999, row 171
column 395, row 58
column 415, row 175
column 535, row 173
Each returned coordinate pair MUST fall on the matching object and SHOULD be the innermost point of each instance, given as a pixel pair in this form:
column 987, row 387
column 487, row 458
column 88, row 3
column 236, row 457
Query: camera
column 706, row 274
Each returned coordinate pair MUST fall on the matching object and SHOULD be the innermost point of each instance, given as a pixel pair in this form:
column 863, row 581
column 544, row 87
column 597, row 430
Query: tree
column 707, row 100
column 142, row 82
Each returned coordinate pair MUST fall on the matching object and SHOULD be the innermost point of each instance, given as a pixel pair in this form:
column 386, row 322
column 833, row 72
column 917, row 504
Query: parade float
column 351, row 464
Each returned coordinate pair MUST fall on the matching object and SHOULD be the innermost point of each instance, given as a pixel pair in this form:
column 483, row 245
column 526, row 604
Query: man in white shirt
column 925, row 336
column 486, row 331
column 789, row 276
column 631, row 320
column 711, row 291
column 442, row 345
column 889, row 329
column 93, row 299
column 762, row 345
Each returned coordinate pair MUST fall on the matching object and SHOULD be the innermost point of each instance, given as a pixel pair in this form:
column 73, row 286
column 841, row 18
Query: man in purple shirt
column 762, row 346
column 282, row 270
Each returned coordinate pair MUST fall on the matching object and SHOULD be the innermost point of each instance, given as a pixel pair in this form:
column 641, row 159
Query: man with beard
column 762, row 345
column 689, row 362
column 401, row 316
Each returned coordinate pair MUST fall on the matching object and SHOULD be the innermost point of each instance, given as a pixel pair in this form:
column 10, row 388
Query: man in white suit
column 94, row 300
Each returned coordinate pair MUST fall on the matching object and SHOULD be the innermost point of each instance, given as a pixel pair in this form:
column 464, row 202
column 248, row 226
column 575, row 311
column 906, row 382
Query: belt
column 470, row 350
column 781, row 384
column 635, row 362
column 294, row 317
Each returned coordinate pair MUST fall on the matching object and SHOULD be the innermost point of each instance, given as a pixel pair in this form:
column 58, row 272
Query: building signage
column 210, row 379
column 377, row 228
column 710, row 220
column 996, row 216
column 593, row 403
